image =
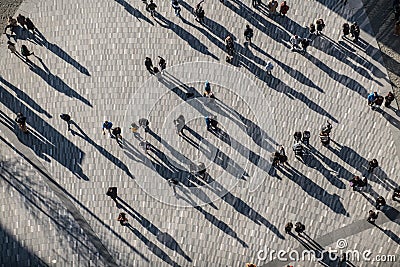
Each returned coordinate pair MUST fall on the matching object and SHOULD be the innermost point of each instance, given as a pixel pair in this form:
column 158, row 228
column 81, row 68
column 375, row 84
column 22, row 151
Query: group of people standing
column 13, row 25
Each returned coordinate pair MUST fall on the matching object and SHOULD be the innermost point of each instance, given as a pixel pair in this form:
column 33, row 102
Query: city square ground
column 89, row 62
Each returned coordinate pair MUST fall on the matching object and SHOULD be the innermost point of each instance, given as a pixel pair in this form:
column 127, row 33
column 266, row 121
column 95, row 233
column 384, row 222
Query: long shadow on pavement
column 163, row 237
column 25, row 97
column 314, row 190
column 49, row 134
column 133, row 11
column 186, row 36
column 55, row 81
column 38, row 38
column 101, row 150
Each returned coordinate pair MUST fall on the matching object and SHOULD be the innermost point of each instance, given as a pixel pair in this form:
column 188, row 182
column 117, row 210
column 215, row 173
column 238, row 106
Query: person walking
column 371, row 99
column 320, row 25
column 288, row 228
column 295, row 41
column 143, row 122
column 372, row 164
column 269, row 67
column 11, row 46
column 199, row 12
column 284, row 8
column 282, row 156
column 21, row 120
column 272, row 7
column 152, row 8
column 345, row 29
column 149, row 65
column 229, row 45
column 389, row 99
column 67, row 119
column 162, row 63
column 176, row 7
column 372, row 216
column 299, row 228
column 380, row 202
column 12, row 25
column 355, row 182
column 248, row 33
column 107, row 125
column 112, row 193
column 304, row 44
column 311, row 30
column 25, row 52
column 180, row 125
column 117, row 134
column 355, row 31
column 207, row 90
column 122, row 219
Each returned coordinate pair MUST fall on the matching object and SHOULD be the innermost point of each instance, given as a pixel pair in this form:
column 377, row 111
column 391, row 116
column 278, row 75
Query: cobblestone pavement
column 89, row 62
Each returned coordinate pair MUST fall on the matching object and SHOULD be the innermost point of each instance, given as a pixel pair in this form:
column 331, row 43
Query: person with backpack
column 248, row 33
column 284, row 8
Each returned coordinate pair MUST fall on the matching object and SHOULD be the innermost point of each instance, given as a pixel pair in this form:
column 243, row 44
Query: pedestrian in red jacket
column 283, row 9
